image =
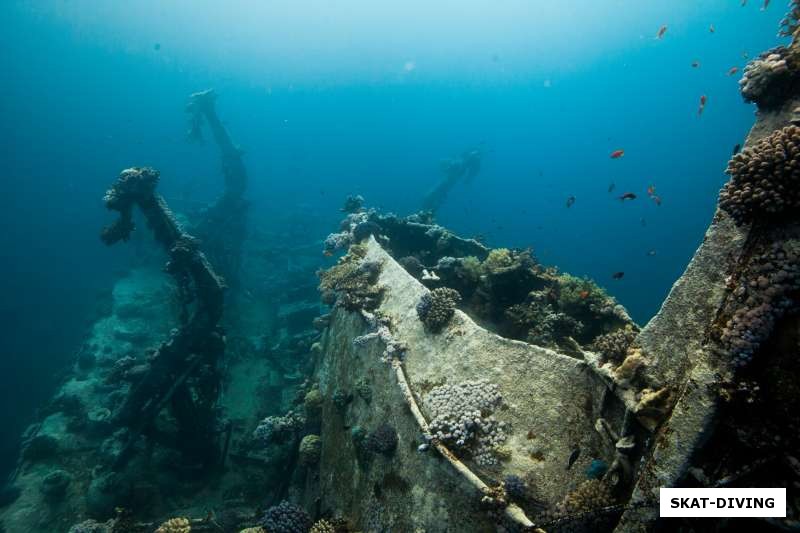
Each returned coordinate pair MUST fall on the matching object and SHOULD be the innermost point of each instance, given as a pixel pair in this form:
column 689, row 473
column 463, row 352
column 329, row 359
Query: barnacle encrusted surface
column 353, row 281
column 462, row 417
column 768, row 290
column 436, row 308
column 764, row 179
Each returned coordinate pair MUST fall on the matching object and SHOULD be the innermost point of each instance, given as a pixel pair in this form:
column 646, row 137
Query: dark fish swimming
column 612, row 187
column 570, row 201
column 573, row 457
column 627, row 196
column 618, row 275
column 737, row 148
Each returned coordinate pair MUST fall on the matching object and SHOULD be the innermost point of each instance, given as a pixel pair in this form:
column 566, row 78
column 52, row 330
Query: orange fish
column 616, row 154
column 733, row 70
column 651, row 190
column 583, row 294
column 661, row 31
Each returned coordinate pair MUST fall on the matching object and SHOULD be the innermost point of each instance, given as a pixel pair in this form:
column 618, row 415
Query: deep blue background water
column 361, row 98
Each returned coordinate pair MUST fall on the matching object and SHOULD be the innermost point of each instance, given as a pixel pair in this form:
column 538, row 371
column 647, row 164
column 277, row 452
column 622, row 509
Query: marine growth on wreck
column 397, row 311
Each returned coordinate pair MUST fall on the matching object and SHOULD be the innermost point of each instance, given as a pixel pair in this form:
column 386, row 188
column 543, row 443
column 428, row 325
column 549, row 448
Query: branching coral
column 461, row 417
column 436, row 308
column 764, row 179
column 286, row 517
column 768, row 291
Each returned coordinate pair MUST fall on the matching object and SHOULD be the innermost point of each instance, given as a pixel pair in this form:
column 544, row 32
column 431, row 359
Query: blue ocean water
column 358, row 97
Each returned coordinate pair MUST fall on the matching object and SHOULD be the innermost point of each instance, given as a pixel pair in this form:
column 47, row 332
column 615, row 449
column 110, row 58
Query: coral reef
column 278, row 429
column 382, row 439
column 614, row 346
column 768, row 291
column 590, row 495
column 286, row 517
column 767, row 78
column 461, row 417
column 175, row 525
column 323, row 526
column 764, row 179
column 353, row 282
column 310, row 450
column 353, row 204
column 436, row 308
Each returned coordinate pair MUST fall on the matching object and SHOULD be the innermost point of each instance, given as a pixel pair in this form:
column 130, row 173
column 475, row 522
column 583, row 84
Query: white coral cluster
column 761, row 72
column 393, row 349
column 462, row 417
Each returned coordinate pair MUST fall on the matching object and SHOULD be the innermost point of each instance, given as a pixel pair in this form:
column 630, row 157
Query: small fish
column 618, row 275
column 703, row 100
column 583, row 295
column 157, row 47
column 576, row 452
column 651, row 190
column 627, row 196
column 695, row 64
column 661, row 31
column 744, row 2
column 733, row 70
column 643, row 222
column 651, row 252
column 612, row 187
column 766, row 5
column 737, row 148
column 570, row 201
column 656, row 199
column 711, row 29
column 616, row 154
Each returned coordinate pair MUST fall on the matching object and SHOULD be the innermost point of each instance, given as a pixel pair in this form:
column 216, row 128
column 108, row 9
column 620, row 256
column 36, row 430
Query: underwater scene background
column 358, row 98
